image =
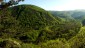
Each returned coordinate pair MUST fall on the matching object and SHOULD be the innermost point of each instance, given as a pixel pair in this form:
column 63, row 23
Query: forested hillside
column 78, row 15
column 29, row 26
column 65, row 15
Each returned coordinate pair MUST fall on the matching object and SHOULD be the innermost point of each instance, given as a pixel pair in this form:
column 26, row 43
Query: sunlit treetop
column 4, row 4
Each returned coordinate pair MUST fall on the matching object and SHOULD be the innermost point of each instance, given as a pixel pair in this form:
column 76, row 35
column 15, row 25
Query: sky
column 59, row 5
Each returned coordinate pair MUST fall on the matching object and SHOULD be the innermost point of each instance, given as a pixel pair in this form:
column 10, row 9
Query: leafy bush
column 55, row 44
column 8, row 43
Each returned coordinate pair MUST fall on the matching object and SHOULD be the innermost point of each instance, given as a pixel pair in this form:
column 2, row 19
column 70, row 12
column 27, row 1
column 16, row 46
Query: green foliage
column 30, row 36
column 30, row 46
column 66, row 30
column 8, row 43
column 33, row 26
column 65, row 15
column 78, row 15
column 55, row 44
column 83, row 22
column 79, row 40
column 24, row 21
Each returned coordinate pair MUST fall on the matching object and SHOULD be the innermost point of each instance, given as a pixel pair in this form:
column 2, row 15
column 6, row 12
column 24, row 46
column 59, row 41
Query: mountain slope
column 79, row 40
column 65, row 15
column 25, row 22
column 32, row 24
column 32, row 14
column 78, row 15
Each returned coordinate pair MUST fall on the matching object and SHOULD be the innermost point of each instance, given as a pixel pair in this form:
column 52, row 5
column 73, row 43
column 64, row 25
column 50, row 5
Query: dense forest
column 29, row 26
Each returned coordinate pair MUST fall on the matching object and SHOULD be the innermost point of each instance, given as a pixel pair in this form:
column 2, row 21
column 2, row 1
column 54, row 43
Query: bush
column 55, row 44
column 8, row 43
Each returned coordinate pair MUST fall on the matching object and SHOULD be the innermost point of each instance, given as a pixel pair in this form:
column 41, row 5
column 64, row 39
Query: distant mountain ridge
column 74, row 14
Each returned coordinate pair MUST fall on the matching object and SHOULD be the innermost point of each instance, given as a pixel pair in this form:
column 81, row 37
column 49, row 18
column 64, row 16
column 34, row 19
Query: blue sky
column 57, row 4
column 46, row 4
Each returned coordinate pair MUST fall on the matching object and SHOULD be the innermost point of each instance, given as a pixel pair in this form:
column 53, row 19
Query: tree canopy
column 4, row 4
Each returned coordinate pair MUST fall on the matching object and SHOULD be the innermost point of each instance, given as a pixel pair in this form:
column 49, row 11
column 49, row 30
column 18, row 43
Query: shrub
column 8, row 43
